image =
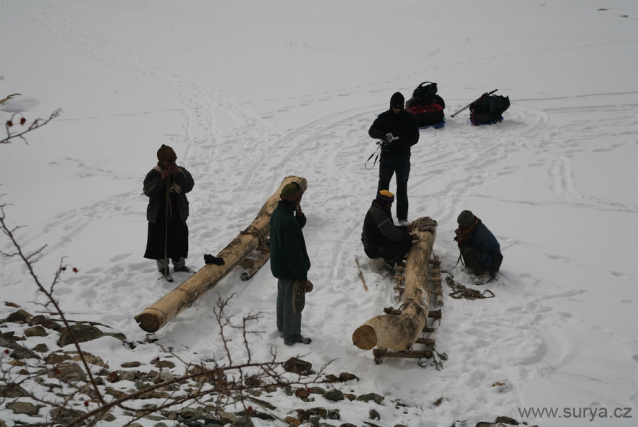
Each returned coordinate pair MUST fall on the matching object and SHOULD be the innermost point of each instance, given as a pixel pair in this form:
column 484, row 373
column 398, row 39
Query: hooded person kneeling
column 479, row 248
column 380, row 237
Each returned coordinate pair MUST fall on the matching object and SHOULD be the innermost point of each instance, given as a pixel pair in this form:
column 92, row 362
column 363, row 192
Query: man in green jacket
column 289, row 263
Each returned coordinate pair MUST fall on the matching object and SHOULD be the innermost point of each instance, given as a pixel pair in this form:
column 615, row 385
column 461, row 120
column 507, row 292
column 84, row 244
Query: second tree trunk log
column 166, row 309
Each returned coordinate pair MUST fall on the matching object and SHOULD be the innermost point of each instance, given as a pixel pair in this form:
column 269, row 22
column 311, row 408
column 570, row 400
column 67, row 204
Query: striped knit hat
column 291, row 192
column 166, row 153
column 384, row 197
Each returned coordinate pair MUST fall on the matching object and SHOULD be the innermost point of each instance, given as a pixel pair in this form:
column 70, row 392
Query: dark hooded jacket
column 489, row 250
column 378, row 229
column 404, row 125
column 155, row 189
column 288, row 255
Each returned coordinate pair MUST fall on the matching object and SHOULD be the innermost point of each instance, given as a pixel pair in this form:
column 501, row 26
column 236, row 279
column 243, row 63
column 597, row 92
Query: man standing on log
column 479, row 248
column 166, row 186
column 289, row 263
column 380, row 237
column 398, row 130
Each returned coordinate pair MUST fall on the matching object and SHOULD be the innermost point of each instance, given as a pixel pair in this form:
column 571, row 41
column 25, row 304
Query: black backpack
column 488, row 109
column 425, row 94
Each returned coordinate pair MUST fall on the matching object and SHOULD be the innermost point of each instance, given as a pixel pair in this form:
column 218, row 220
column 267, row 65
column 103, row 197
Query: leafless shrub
column 225, row 382
column 36, row 124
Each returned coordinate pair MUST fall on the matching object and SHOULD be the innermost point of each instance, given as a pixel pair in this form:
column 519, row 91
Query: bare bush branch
column 225, row 384
column 38, row 123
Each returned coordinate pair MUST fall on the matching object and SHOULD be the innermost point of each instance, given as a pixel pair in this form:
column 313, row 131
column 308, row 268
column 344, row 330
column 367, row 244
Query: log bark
column 166, row 309
column 400, row 332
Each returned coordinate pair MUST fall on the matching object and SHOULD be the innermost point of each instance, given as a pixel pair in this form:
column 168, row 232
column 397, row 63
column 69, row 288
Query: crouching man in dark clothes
column 380, row 237
column 166, row 186
column 479, row 248
column 289, row 263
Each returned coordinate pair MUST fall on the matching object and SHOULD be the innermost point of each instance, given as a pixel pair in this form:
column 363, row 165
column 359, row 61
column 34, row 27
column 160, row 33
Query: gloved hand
column 460, row 236
column 389, row 137
column 174, row 169
column 164, row 174
column 209, row 259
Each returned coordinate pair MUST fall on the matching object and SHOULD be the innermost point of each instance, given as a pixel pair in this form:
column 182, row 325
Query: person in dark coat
column 380, row 237
column 166, row 186
column 479, row 248
column 398, row 130
column 289, row 263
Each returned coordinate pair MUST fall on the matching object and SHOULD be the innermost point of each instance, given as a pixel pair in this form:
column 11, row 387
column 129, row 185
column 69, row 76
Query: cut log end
column 148, row 321
column 365, row 337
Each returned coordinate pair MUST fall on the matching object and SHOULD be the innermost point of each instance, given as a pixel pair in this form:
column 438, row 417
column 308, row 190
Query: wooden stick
column 408, row 355
column 426, row 341
column 361, row 274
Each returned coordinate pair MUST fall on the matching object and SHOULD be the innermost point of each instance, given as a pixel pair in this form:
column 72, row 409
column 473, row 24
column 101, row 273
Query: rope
column 298, row 292
column 438, row 364
column 457, row 263
column 375, row 160
column 459, row 291
column 425, row 224
column 259, row 234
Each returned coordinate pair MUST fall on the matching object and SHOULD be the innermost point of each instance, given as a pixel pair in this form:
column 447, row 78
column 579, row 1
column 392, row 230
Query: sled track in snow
column 205, row 109
column 205, row 112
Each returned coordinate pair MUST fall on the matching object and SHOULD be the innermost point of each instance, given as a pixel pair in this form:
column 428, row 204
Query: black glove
column 209, row 259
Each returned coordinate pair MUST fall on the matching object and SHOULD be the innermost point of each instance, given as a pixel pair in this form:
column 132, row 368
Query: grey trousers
column 161, row 265
column 288, row 322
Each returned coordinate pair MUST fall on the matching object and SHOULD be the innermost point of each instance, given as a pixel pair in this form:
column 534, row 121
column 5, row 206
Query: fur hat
column 384, row 197
column 397, row 100
column 165, row 153
column 466, row 219
column 291, row 192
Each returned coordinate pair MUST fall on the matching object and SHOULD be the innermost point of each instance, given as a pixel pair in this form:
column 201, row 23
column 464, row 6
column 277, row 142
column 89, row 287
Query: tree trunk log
column 399, row 332
column 166, row 309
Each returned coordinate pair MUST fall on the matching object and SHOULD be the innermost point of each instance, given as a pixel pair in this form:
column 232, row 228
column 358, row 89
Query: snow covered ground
column 248, row 92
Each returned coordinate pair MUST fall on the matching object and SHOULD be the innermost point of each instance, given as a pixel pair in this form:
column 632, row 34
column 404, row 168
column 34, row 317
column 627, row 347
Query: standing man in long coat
column 398, row 130
column 289, row 263
column 166, row 186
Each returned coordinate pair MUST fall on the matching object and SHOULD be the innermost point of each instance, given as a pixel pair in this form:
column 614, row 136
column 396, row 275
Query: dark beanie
column 466, row 219
column 291, row 192
column 384, row 197
column 397, row 99
column 165, row 153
